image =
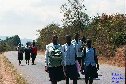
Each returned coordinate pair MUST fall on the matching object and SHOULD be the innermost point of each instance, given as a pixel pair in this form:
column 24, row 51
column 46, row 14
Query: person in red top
column 33, row 52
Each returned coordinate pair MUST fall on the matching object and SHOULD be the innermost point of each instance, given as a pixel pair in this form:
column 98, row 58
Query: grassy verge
column 8, row 74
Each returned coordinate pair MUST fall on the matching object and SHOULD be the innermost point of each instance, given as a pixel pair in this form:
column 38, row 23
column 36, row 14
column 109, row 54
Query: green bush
column 119, row 39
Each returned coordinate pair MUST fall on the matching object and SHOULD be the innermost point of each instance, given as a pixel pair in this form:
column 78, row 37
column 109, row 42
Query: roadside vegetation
column 9, row 44
column 8, row 74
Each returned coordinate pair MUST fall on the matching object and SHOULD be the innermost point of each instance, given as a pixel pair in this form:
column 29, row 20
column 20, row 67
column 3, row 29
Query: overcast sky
column 24, row 17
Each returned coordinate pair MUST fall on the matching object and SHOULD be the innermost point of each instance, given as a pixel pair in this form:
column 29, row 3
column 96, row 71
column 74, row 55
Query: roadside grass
column 8, row 74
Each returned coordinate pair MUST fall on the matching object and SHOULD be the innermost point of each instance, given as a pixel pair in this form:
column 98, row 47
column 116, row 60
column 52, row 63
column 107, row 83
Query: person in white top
column 89, row 62
column 69, row 61
column 54, row 61
column 78, row 44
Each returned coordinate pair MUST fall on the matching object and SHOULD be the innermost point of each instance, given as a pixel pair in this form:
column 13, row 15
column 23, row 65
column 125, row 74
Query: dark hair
column 55, row 36
column 68, row 36
column 89, row 40
column 77, row 34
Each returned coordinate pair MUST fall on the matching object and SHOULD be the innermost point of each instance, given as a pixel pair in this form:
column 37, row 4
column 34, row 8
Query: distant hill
column 3, row 37
column 25, row 40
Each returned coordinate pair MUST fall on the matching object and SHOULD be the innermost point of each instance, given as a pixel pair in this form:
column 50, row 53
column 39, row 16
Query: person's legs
column 19, row 62
column 79, row 60
column 91, row 80
column 86, row 74
column 32, row 61
column 67, row 80
column 53, row 82
column 75, row 81
column 28, row 62
column 86, row 79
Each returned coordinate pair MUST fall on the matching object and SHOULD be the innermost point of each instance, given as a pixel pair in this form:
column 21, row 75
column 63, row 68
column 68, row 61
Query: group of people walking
column 62, row 61
column 30, row 52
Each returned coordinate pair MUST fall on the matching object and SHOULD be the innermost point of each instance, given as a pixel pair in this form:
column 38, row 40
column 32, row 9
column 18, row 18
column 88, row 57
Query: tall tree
column 75, row 15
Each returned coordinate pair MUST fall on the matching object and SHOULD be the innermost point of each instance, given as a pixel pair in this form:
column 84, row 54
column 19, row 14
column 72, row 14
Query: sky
column 25, row 17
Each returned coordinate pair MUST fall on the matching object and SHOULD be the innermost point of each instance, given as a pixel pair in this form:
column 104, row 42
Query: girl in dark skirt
column 56, row 73
column 27, row 53
column 20, row 53
column 89, row 63
column 70, row 61
column 53, row 61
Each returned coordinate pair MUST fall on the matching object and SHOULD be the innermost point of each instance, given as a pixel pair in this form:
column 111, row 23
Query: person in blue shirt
column 89, row 62
column 69, row 57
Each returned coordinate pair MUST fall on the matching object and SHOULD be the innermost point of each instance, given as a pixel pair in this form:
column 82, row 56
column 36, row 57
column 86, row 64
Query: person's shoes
column 19, row 62
column 33, row 64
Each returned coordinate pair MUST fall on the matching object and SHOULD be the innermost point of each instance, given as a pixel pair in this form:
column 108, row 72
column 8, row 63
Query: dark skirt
column 90, row 71
column 79, row 59
column 56, row 73
column 27, row 56
column 71, row 72
column 20, row 56
column 33, row 56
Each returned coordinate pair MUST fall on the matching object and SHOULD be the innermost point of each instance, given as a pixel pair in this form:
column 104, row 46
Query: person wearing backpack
column 54, row 61
column 89, row 62
column 70, row 68
column 33, row 52
column 27, row 51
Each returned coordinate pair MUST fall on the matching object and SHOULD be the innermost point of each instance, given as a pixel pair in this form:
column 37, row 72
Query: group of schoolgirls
column 30, row 52
column 62, row 62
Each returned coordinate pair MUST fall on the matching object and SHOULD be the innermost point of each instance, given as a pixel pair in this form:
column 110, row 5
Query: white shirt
column 77, row 46
column 69, row 54
column 89, row 59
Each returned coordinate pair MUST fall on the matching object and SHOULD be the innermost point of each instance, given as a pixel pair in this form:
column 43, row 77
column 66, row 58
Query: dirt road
column 35, row 74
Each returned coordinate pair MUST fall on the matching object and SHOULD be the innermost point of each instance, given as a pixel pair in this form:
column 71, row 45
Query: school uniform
column 78, row 46
column 69, row 61
column 53, row 60
column 27, row 53
column 89, row 62
column 20, row 53
column 33, row 53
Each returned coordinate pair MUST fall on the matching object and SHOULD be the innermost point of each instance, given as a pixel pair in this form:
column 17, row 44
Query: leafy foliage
column 9, row 44
column 74, row 15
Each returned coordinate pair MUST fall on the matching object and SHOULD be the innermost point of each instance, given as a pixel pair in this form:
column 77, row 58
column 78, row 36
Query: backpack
column 55, row 57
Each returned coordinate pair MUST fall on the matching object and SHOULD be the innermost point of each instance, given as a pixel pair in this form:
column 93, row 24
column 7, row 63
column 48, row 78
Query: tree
column 9, row 44
column 74, row 15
